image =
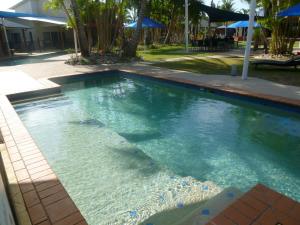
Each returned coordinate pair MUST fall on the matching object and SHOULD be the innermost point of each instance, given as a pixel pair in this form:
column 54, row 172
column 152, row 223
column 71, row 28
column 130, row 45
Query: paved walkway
column 17, row 81
column 53, row 65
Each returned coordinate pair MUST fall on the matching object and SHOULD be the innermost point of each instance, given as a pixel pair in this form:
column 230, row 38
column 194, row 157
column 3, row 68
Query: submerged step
column 197, row 213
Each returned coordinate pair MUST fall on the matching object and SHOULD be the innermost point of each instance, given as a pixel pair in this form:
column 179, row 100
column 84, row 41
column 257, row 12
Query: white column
column 6, row 38
column 249, row 39
column 75, row 42
column 186, row 30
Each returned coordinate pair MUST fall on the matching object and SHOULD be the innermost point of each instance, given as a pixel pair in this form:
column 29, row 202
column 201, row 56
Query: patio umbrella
column 292, row 11
column 242, row 24
column 147, row 23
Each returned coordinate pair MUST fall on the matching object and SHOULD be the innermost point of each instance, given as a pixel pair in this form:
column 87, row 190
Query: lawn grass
column 222, row 66
column 166, row 52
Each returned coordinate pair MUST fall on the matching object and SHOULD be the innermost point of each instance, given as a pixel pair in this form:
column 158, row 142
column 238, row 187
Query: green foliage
column 222, row 66
column 284, row 30
column 227, row 5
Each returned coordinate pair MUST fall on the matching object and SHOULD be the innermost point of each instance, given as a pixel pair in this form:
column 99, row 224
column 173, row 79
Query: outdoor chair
column 293, row 62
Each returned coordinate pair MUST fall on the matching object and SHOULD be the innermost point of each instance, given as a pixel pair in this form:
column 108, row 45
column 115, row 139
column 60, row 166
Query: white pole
column 6, row 38
column 75, row 43
column 249, row 40
column 186, row 30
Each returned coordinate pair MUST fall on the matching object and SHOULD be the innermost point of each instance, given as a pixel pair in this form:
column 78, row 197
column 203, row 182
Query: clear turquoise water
column 126, row 148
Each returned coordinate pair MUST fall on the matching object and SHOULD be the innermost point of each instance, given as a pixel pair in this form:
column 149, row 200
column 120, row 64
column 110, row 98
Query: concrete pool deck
column 37, row 193
column 42, row 68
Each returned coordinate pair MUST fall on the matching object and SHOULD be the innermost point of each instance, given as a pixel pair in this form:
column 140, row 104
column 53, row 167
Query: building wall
column 37, row 7
column 42, row 33
column 24, row 6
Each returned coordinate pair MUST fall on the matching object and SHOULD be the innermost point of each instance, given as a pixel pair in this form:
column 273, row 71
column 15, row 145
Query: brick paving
column 260, row 206
column 46, row 200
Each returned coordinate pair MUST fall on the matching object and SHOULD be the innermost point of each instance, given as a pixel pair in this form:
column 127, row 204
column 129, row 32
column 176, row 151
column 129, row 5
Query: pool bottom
column 140, row 187
column 128, row 149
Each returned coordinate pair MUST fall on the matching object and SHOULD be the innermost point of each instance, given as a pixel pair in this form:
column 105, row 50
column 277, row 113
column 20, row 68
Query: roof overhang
column 45, row 20
column 11, row 24
column 219, row 15
column 33, row 17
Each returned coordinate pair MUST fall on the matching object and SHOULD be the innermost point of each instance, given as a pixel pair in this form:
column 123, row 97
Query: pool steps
column 198, row 213
column 212, row 207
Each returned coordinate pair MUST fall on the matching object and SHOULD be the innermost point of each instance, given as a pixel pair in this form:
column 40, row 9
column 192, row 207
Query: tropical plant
column 74, row 21
column 227, row 5
column 284, row 31
column 244, row 11
column 84, row 49
column 130, row 47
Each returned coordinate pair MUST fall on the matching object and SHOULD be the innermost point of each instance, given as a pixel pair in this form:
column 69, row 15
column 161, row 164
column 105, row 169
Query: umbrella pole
column 6, row 38
column 186, row 26
column 249, row 40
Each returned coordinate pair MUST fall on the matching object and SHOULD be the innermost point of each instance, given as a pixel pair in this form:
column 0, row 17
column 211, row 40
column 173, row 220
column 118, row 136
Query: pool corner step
column 212, row 207
column 260, row 205
column 199, row 213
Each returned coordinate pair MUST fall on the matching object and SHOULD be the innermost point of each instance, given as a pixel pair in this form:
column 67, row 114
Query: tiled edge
column 232, row 90
column 261, row 205
column 48, row 83
column 223, row 88
column 39, row 197
column 14, row 190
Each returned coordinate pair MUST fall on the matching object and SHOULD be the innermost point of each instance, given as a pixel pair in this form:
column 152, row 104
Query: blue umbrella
column 292, row 11
column 242, row 24
column 147, row 23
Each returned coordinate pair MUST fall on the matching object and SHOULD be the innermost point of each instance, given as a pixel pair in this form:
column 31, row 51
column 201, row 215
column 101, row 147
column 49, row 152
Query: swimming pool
column 126, row 148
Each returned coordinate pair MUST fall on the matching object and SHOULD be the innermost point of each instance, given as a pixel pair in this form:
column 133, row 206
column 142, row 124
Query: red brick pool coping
column 260, row 206
column 224, row 88
column 45, row 199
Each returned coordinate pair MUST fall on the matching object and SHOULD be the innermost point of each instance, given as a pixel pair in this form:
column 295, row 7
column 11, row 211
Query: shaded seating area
column 211, row 42
column 293, row 62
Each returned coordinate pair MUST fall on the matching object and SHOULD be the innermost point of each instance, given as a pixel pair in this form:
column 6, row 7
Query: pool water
column 126, row 148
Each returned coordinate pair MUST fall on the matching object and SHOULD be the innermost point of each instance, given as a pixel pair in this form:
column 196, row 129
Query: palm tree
column 130, row 47
column 84, row 47
column 244, row 11
column 227, row 5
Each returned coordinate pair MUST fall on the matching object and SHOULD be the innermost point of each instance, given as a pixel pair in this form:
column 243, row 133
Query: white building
column 48, row 34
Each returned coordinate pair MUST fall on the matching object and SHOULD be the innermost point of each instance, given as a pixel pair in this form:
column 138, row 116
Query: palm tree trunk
column 84, row 47
column 131, row 47
column 171, row 25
